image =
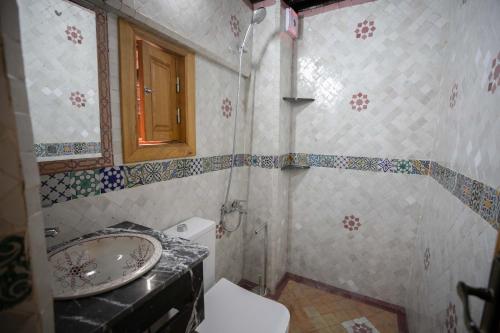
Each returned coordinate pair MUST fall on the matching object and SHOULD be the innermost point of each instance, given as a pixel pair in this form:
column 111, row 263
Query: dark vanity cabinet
column 167, row 299
column 177, row 308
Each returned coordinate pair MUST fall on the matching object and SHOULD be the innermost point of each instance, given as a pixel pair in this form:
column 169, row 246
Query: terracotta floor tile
column 317, row 311
column 319, row 322
column 338, row 329
column 331, row 319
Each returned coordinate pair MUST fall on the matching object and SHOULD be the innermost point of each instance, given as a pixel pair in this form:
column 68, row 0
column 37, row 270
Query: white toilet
column 229, row 308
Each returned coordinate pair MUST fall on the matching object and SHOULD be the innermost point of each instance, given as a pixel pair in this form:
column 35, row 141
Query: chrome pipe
column 51, row 232
column 263, row 286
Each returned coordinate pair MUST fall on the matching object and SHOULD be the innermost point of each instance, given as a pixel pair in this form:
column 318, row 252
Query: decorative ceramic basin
column 102, row 263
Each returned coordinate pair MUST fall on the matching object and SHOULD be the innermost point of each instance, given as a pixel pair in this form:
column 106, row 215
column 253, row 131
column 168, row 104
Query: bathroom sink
column 98, row 264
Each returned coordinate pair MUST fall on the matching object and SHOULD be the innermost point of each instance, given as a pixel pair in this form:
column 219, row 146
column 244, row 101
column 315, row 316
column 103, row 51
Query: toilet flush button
column 182, row 227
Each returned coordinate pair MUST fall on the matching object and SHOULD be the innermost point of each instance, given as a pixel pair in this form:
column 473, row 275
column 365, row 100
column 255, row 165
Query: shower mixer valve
column 235, row 206
column 239, row 206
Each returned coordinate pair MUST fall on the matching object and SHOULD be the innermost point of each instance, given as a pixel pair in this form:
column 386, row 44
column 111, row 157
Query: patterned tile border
column 67, row 148
column 65, row 186
column 481, row 198
column 413, row 167
column 60, row 187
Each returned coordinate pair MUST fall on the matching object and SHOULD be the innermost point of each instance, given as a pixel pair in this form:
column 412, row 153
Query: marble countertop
column 95, row 313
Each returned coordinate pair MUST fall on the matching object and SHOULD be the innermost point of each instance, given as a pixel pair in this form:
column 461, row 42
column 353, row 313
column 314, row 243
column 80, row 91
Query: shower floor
column 317, row 307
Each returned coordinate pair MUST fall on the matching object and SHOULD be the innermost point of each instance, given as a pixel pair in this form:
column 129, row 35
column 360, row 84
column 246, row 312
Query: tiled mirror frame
column 106, row 159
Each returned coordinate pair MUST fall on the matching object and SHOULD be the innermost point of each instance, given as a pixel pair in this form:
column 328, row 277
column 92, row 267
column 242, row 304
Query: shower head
column 258, row 15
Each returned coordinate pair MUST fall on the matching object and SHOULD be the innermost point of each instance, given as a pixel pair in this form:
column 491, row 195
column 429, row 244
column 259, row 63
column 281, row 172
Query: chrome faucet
column 239, row 206
column 51, row 232
column 235, row 206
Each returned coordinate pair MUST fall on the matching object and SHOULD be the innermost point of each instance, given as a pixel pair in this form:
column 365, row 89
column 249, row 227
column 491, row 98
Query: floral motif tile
column 490, row 204
column 112, row 179
column 85, row 183
column 404, row 166
column 453, row 96
column 359, row 325
column 234, row 24
column 152, row 172
column 74, row 34
column 451, row 320
column 351, row 223
column 386, row 165
column 494, row 76
column 226, row 107
column 427, row 258
column 359, row 102
column 363, row 163
column 365, row 29
column 133, row 175
column 77, row 99
column 169, row 169
column 196, row 166
column 219, row 231
column 207, row 164
column 183, row 168
column 55, row 188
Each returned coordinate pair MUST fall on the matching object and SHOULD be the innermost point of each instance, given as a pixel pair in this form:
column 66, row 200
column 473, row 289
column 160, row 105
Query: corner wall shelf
column 298, row 99
column 295, row 167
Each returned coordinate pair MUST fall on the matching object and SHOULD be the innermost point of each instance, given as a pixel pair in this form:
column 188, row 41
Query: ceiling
column 299, row 5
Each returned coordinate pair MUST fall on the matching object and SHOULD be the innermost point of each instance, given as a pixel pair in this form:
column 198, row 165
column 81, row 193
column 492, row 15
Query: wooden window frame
column 106, row 159
column 132, row 151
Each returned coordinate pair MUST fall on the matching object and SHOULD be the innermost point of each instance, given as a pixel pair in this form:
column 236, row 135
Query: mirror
column 65, row 52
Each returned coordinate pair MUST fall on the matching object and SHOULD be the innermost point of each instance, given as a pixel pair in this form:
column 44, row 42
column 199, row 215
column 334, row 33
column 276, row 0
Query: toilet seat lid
column 230, row 309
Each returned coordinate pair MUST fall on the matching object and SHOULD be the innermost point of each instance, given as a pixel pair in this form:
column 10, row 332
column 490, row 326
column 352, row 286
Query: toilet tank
column 200, row 231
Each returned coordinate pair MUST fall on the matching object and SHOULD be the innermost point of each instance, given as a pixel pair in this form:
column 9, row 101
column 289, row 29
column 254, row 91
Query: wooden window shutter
column 159, row 75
